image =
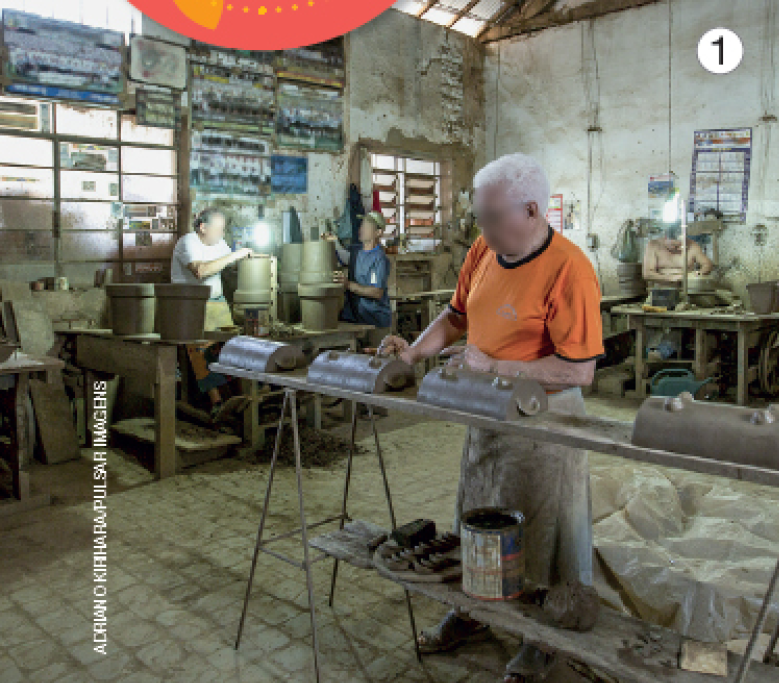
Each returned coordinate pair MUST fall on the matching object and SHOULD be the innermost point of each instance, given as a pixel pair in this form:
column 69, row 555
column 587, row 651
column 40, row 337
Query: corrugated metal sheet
column 439, row 16
column 486, row 9
column 409, row 6
column 470, row 27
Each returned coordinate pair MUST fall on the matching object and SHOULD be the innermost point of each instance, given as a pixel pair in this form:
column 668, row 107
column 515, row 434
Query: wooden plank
column 36, row 333
column 118, row 357
column 589, row 10
column 55, row 422
column 610, row 647
column 165, row 412
column 611, row 437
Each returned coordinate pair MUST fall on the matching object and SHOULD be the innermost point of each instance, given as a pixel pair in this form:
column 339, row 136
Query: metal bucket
column 493, row 553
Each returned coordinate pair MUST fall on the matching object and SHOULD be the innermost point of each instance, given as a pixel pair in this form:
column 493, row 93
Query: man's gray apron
column 548, row 484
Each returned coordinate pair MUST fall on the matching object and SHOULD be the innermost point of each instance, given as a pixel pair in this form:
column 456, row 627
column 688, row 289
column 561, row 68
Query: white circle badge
column 720, row 51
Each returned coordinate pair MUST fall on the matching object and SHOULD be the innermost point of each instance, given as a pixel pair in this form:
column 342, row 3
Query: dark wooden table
column 748, row 328
column 19, row 455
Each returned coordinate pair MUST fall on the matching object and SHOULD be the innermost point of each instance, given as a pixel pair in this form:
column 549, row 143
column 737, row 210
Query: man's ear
column 532, row 210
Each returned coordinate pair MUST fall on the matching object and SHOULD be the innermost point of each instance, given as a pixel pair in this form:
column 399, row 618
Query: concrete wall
column 399, row 96
column 546, row 87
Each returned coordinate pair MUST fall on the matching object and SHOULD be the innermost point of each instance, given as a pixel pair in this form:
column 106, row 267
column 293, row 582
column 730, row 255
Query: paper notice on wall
column 554, row 214
column 720, row 172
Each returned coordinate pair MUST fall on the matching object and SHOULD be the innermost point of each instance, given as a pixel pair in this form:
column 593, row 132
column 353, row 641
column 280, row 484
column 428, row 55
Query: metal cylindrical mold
column 318, row 262
column 254, row 282
column 289, row 265
column 320, row 306
column 181, row 311
column 132, row 308
column 714, row 431
column 493, row 553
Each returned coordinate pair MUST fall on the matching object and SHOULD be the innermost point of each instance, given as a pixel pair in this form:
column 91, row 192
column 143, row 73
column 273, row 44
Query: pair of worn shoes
column 531, row 665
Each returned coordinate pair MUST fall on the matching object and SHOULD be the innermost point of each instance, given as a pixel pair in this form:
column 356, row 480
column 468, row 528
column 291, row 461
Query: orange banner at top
column 262, row 24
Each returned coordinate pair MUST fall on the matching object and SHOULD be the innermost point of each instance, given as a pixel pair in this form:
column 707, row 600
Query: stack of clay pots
column 631, row 279
column 176, row 311
column 289, row 278
column 254, row 286
column 321, row 300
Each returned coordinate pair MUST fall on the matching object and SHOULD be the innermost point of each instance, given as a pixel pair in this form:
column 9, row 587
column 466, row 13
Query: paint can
column 493, row 553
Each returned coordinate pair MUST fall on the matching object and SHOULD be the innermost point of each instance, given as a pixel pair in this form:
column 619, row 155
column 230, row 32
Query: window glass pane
column 86, row 122
column 146, row 245
column 154, row 136
column 384, row 162
column 23, row 214
column 30, row 151
column 417, row 166
column 157, row 217
column 25, row 115
column 139, row 188
column 88, row 216
column 18, row 246
column 26, row 182
column 88, row 185
column 140, row 160
column 89, row 245
column 89, row 157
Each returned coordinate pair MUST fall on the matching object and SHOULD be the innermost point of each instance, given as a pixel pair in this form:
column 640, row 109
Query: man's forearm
column 209, row 268
column 366, row 290
column 444, row 331
column 551, row 372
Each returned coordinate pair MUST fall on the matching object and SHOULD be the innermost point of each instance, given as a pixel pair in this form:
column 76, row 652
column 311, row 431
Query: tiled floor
column 178, row 558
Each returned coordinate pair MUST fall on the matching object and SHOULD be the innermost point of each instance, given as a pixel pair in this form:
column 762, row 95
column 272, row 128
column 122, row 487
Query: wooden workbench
column 151, row 360
column 22, row 368
column 748, row 328
column 617, row 645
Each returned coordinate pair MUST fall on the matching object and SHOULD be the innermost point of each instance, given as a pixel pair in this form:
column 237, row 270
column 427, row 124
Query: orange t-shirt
column 547, row 303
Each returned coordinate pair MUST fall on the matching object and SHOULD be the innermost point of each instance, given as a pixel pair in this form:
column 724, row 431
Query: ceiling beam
column 462, row 13
column 561, row 17
column 508, row 11
column 533, row 8
column 426, row 7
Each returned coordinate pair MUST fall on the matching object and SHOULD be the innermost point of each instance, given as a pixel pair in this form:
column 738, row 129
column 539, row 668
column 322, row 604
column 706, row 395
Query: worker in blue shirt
column 367, row 300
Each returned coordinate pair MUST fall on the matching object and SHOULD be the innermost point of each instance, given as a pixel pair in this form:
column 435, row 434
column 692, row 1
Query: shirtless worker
column 663, row 259
column 529, row 301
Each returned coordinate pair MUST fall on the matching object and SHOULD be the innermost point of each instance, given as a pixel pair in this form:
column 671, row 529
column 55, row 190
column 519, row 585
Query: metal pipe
column 761, row 619
column 685, row 295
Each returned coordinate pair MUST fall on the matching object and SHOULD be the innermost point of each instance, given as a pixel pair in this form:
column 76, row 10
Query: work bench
column 152, row 361
column 19, row 452
column 747, row 327
column 613, row 647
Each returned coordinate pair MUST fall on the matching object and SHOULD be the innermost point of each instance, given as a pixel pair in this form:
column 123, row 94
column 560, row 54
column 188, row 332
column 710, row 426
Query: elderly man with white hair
column 529, row 301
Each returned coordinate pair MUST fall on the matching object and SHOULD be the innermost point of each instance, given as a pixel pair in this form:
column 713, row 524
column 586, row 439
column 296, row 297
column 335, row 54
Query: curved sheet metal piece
column 715, row 431
column 261, row 355
column 360, row 372
column 482, row 393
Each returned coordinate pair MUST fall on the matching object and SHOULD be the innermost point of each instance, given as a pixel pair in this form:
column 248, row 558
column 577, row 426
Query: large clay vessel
column 181, row 311
column 132, row 308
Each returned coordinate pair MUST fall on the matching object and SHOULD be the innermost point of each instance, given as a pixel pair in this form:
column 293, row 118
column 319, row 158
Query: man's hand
column 469, row 356
column 392, row 345
column 328, row 236
column 241, row 254
column 341, row 278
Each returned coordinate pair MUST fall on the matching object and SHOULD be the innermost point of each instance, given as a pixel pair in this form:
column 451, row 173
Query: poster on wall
column 158, row 63
column 229, row 175
column 322, row 64
column 309, row 117
column 233, row 90
column 554, row 214
column 60, row 59
column 289, row 174
column 720, row 172
column 158, row 109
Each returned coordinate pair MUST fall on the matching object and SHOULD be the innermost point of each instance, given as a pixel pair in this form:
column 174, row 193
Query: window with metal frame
column 80, row 185
column 410, row 195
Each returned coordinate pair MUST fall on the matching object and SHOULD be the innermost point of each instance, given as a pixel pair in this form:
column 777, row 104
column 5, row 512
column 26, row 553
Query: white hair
column 526, row 179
